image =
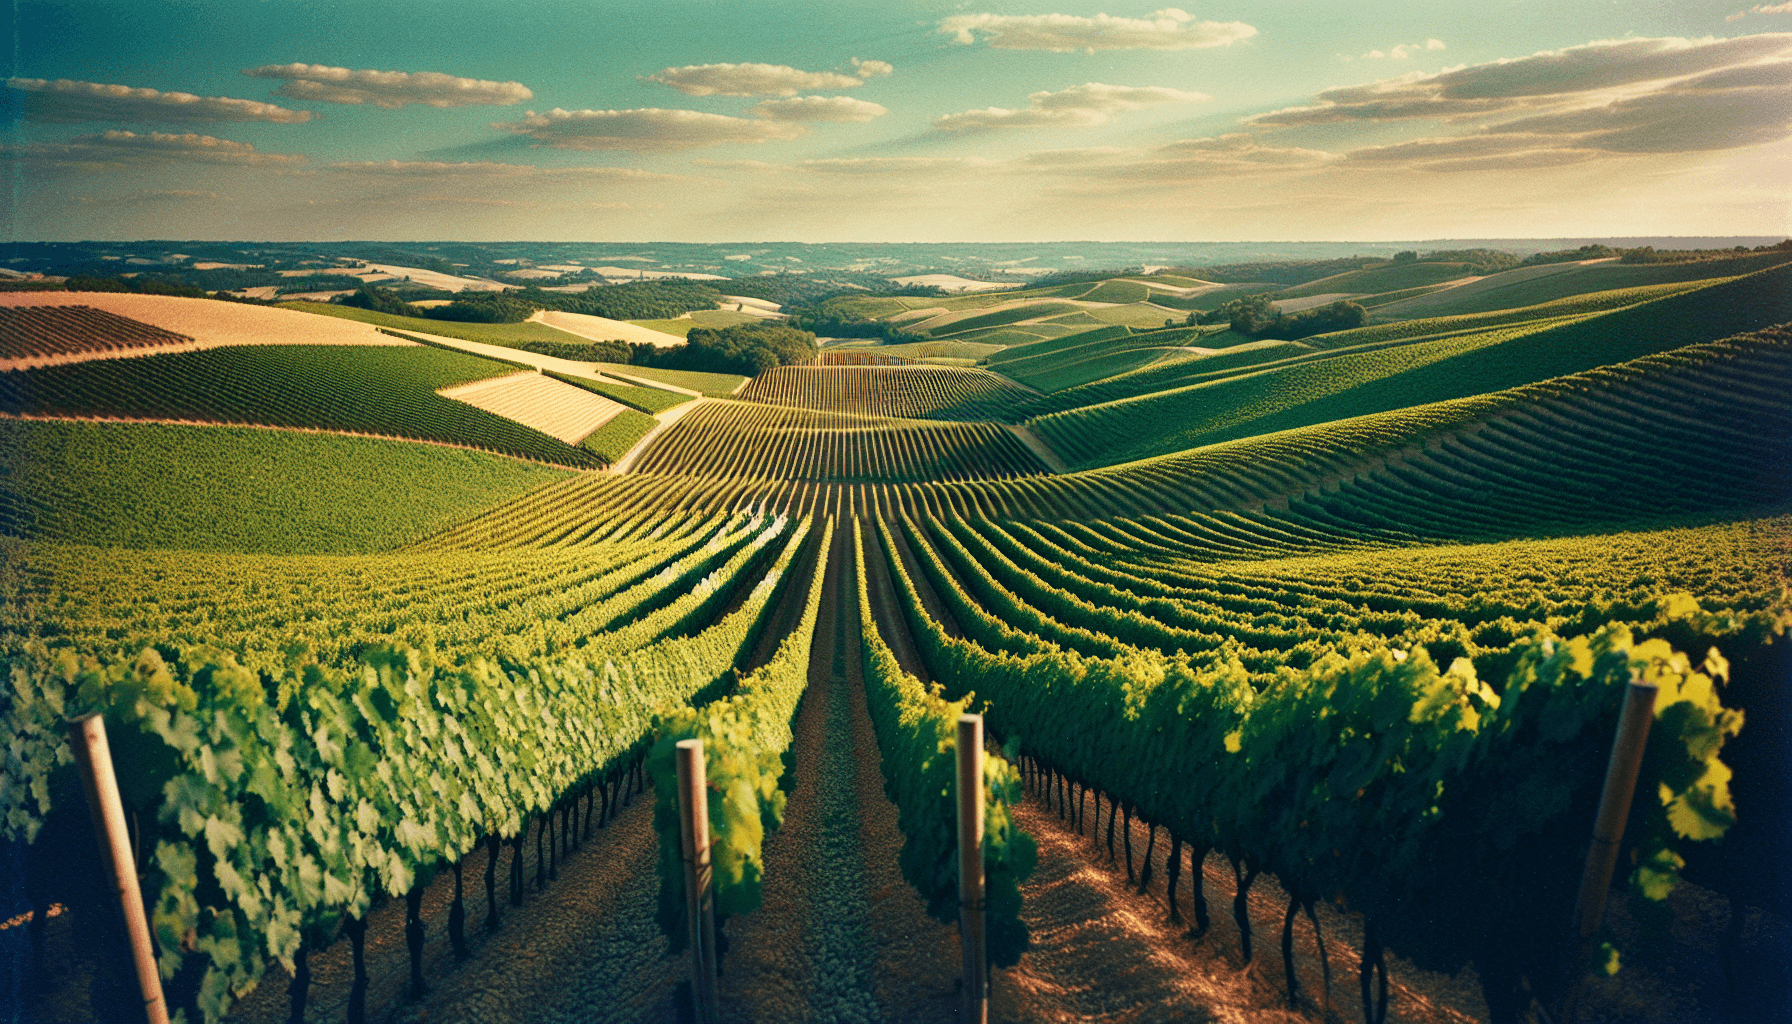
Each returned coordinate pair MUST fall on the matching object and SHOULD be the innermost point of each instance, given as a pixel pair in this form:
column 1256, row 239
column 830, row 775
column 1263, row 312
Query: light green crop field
column 1116, row 291
column 695, row 380
column 648, row 400
column 1529, row 286
column 1386, row 278
column 1137, row 314
column 241, row 488
column 508, row 335
column 1591, row 302
column 1001, row 317
column 612, row 441
column 1415, row 374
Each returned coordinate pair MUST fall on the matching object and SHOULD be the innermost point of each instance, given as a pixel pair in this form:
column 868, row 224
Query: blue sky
column 896, row 121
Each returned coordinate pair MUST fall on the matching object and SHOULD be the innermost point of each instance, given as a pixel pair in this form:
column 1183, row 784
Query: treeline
column 1257, row 317
column 1650, row 254
column 746, row 349
column 145, row 284
column 634, row 300
column 813, row 289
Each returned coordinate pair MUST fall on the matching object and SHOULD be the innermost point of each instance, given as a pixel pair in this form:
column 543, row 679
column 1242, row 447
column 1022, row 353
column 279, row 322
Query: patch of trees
column 808, row 289
column 1585, row 252
column 1484, row 261
column 144, row 284
column 636, row 300
column 1256, row 316
column 639, row 352
column 828, row 324
column 1650, row 254
column 744, row 348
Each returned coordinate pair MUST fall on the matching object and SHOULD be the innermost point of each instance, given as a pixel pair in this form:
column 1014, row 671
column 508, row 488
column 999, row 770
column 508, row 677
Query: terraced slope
column 388, row 391
column 1408, row 375
column 909, row 392
column 729, row 440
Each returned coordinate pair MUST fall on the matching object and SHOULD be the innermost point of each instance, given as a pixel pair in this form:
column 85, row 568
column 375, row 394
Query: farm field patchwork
column 1370, row 599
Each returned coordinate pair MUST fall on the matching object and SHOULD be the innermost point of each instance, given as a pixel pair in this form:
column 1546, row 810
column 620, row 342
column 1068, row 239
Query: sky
column 895, row 121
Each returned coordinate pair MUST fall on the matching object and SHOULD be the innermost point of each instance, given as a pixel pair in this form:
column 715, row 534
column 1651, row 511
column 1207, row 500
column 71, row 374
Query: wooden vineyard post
column 1614, row 806
column 693, row 827
column 1628, row 745
column 87, row 735
column 970, row 867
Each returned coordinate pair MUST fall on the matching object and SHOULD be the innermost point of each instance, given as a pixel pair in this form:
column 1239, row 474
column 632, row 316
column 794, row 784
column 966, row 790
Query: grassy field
column 1001, row 318
column 241, row 489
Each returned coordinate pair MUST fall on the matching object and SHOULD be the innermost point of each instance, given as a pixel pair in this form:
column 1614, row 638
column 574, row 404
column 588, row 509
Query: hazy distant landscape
column 1349, row 584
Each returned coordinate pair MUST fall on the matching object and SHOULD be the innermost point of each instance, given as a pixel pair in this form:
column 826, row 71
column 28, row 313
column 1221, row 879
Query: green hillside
column 1528, row 286
column 1387, row 277
column 1405, row 375
column 241, row 489
column 508, row 335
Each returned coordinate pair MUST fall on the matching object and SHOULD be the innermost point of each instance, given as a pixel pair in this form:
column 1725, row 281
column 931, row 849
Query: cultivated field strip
column 859, row 357
column 730, row 440
column 909, row 392
column 27, row 331
column 645, row 578
column 555, row 408
column 387, row 391
column 1126, row 587
column 1692, row 431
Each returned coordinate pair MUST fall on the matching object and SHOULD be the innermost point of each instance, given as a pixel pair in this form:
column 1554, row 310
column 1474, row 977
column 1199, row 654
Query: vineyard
column 898, row 391
column 27, row 331
column 1350, row 622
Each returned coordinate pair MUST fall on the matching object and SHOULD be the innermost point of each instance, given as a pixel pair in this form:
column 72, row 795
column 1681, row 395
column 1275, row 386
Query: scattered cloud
column 1729, row 108
column 123, row 147
column 650, row 129
column 1167, row 29
column 1785, row 8
column 1577, row 77
column 871, row 68
column 760, row 79
column 817, row 108
column 67, row 102
column 1081, row 105
column 388, row 90
column 1405, row 50
column 491, row 169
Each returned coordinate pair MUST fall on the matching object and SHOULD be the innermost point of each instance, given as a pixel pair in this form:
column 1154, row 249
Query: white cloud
column 388, row 90
column 871, row 68
column 1167, row 29
column 817, row 108
column 647, row 130
column 755, row 79
column 1729, row 108
column 122, row 147
column 490, row 169
column 1089, row 104
column 67, row 102
column 1785, row 8
column 1405, row 50
column 1575, row 76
